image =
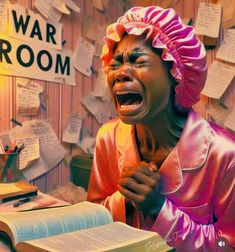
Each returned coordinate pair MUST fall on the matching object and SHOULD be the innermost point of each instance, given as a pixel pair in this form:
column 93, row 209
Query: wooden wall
column 62, row 100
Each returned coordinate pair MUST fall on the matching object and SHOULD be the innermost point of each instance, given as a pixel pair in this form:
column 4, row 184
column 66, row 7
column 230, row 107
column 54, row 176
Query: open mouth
column 129, row 101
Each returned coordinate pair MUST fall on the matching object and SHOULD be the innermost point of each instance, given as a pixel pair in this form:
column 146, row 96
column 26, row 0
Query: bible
column 84, row 226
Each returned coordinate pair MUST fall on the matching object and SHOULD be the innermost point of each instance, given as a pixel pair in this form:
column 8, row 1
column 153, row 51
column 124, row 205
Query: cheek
column 111, row 75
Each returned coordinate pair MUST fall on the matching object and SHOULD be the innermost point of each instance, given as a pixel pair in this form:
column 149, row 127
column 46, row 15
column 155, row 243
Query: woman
column 160, row 166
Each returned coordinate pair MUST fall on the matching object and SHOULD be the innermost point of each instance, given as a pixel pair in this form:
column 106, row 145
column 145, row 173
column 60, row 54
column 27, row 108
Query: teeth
column 131, row 105
column 126, row 92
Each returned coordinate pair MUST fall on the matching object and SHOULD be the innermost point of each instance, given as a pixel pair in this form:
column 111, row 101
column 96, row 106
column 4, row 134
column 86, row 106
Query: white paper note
column 72, row 130
column 230, row 121
column 101, row 87
column 103, row 111
column 5, row 138
column 83, row 56
column 51, row 151
column 227, row 49
column 27, row 97
column 61, row 6
column 72, row 5
column 31, row 150
column 218, row 79
column 208, row 19
column 228, row 17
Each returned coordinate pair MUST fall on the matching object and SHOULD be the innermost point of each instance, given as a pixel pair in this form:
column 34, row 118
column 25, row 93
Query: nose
column 124, row 74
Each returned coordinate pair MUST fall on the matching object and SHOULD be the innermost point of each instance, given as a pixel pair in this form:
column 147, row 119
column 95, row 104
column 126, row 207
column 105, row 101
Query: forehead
column 131, row 43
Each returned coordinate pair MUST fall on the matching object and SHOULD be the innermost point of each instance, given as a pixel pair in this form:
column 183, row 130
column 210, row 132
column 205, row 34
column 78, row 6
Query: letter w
column 20, row 23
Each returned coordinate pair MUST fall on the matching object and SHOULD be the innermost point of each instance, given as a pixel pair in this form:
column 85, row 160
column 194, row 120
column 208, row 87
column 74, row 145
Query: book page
column 208, row 19
column 104, row 238
column 218, row 79
column 226, row 51
column 42, row 223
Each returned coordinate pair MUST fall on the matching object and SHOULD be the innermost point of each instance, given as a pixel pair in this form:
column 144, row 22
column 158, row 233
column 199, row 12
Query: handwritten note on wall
column 72, row 130
column 227, row 49
column 83, row 56
column 27, row 97
column 208, row 19
column 218, row 79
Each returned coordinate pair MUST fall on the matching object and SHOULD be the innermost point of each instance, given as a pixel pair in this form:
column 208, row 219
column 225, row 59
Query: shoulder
column 108, row 128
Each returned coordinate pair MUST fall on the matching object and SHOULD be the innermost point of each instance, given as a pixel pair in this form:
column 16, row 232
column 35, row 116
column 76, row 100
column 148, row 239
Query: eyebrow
column 135, row 50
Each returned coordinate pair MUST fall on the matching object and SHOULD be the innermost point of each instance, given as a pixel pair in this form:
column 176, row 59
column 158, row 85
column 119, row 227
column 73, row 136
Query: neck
column 157, row 138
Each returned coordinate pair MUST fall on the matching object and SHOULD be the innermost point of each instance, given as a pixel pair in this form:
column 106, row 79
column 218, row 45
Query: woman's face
column 138, row 80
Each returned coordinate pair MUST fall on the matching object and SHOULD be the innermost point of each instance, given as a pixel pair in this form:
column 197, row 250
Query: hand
column 141, row 186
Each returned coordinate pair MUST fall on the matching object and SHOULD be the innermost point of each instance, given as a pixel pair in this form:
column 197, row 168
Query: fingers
column 130, row 195
column 134, row 186
column 141, row 175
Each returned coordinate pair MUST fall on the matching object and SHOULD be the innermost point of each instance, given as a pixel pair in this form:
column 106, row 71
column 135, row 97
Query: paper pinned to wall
column 230, row 121
column 61, row 6
column 5, row 138
column 208, row 19
column 28, row 26
column 51, row 151
column 72, row 130
column 87, row 144
column 83, row 56
column 217, row 113
column 72, row 5
column 46, row 8
column 89, row 28
column 98, row 4
column 103, row 111
column 99, row 35
column 101, row 87
column 3, row 15
column 228, row 18
column 218, row 79
column 31, row 151
column 27, row 97
column 227, row 49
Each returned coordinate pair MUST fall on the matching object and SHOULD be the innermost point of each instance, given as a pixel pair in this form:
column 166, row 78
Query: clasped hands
column 141, row 188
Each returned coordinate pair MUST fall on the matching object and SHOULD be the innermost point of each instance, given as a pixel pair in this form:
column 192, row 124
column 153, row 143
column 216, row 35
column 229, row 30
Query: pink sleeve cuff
column 166, row 220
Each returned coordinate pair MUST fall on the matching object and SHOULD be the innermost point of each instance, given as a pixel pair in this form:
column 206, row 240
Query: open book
column 84, row 226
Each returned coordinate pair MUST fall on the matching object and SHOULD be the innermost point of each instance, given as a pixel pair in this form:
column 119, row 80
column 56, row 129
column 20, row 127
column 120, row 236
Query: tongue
column 131, row 101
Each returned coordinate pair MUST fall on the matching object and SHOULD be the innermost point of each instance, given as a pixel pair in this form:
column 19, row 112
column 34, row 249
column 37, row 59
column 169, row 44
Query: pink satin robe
column 198, row 182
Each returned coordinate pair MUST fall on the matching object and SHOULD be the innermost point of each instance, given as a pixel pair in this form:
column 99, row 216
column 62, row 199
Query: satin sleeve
column 103, row 181
column 184, row 234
